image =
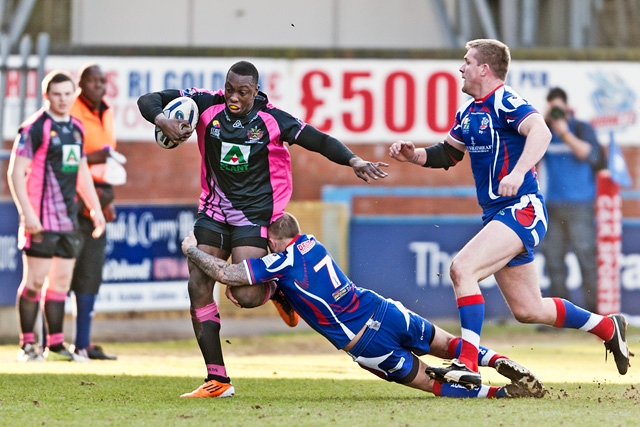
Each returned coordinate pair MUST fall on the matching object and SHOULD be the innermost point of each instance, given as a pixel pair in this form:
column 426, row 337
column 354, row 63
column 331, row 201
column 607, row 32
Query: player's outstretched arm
column 216, row 268
column 331, row 148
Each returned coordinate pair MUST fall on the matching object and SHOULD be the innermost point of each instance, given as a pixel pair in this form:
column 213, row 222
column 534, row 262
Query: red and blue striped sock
column 458, row 391
column 569, row 315
column 486, row 356
column 471, row 310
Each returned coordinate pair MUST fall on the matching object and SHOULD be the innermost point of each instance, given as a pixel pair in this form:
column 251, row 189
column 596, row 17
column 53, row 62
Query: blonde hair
column 493, row 53
column 285, row 227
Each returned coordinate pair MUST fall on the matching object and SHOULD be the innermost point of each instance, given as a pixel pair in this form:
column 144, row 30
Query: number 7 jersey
column 316, row 287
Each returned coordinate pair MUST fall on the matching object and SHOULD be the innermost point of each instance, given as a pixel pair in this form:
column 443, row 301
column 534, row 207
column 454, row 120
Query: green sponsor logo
column 70, row 158
column 234, row 157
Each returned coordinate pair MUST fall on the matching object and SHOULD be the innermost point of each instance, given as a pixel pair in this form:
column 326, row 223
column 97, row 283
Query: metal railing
column 23, row 68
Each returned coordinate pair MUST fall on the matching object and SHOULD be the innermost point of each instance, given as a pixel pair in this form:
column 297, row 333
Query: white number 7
column 326, row 262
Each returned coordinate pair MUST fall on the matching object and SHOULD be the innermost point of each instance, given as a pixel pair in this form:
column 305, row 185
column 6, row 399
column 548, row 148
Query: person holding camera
column 570, row 165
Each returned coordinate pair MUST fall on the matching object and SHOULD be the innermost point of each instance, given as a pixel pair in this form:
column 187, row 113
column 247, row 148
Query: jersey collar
column 481, row 100
column 293, row 240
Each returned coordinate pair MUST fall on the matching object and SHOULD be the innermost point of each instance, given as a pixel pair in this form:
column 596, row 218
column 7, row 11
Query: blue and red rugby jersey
column 316, row 287
column 488, row 127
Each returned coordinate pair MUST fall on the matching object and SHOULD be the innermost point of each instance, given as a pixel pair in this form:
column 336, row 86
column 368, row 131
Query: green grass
column 300, row 380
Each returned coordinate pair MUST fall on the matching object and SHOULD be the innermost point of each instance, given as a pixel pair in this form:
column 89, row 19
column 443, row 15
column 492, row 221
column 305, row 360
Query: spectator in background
column 47, row 170
column 569, row 169
column 100, row 143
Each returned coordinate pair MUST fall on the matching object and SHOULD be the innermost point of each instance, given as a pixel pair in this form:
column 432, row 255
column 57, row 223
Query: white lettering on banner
column 142, row 296
column 432, row 266
column 8, row 253
column 630, row 272
column 114, row 270
column 145, row 230
column 609, row 234
column 170, row 268
column 609, row 215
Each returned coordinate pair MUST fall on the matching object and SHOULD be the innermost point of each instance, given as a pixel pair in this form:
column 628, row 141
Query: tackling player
column 380, row 334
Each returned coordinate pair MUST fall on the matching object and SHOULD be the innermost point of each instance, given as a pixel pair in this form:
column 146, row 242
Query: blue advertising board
column 10, row 256
column 144, row 267
column 407, row 259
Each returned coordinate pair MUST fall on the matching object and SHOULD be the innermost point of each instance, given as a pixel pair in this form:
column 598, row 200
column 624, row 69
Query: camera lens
column 557, row 113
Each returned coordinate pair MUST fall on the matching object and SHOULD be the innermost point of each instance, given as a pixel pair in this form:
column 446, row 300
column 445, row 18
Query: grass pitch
column 298, row 379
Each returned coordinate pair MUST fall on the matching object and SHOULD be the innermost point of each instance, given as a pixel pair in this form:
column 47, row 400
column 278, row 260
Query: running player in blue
column 505, row 137
column 380, row 334
column 246, row 181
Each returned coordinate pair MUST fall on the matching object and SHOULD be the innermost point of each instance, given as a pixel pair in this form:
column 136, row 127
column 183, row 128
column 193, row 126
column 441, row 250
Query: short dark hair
column 555, row 93
column 86, row 69
column 56, row 76
column 245, row 68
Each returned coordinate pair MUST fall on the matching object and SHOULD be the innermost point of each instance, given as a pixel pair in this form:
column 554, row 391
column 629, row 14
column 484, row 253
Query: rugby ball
column 182, row 108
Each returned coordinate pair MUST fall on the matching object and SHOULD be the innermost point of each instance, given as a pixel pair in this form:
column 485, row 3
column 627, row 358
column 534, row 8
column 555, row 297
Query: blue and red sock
column 471, row 310
column 569, row 315
column 458, row 391
column 486, row 356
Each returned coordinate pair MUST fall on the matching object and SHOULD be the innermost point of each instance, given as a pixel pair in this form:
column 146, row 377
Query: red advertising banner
column 609, row 226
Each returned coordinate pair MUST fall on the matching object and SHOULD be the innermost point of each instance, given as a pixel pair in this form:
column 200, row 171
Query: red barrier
column 609, row 226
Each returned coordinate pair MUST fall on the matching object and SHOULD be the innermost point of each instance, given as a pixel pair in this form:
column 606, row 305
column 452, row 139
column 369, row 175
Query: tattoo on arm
column 218, row 269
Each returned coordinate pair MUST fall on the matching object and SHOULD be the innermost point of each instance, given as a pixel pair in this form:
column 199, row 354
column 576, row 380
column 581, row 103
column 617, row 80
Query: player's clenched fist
column 403, row 151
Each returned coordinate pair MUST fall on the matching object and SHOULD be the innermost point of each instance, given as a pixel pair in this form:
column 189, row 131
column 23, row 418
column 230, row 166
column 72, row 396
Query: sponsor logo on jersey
column 237, row 124
column 55, row 138
column 473, row 148
column 484, row 124
column 465, row 124
column 234, row 157
column 215, row 129
column 306, row 246
column 70, row 158
column 341, row 292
